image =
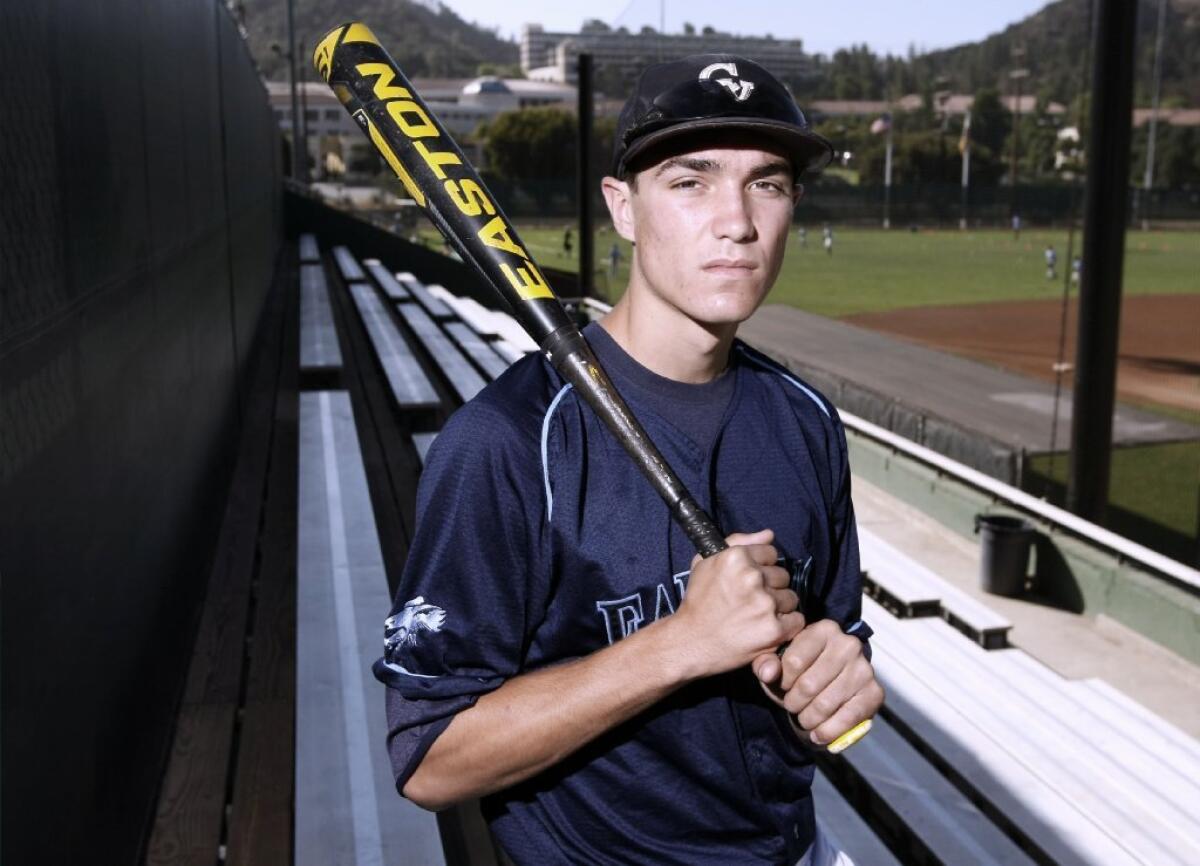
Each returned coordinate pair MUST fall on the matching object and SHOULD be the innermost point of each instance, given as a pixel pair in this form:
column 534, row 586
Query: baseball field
column 986, row 295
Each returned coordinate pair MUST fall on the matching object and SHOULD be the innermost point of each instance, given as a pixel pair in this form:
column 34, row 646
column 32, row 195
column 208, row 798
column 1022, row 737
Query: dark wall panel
column 141, row 224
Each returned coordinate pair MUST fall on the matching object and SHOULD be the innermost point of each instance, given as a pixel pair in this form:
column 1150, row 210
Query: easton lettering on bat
column 410, row 117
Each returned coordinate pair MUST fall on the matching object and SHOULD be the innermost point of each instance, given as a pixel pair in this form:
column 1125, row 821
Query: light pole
column 1148, row 178
column 303, row 117
column 964, row 147
column 291, row 58
column 1017, row 76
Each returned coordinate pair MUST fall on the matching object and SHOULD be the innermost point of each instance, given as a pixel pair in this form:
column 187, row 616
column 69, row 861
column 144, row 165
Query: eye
column 685, row 183
column 769, row 186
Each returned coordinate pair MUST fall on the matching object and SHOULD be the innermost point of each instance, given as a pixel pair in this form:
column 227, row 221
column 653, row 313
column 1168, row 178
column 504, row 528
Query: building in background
column 551, row 56
column 461, row 104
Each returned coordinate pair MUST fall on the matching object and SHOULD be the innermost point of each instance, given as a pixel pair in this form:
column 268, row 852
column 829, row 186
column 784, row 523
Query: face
column 710, row 226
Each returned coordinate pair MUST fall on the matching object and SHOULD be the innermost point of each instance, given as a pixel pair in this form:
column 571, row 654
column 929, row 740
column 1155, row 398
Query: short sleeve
column 473, row 586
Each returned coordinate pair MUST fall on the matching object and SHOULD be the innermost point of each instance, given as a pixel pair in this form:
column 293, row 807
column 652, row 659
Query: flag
column 881, row 124
column 964, row 141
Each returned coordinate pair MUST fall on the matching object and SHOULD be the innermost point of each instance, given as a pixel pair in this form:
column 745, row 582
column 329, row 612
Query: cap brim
column 809, row 151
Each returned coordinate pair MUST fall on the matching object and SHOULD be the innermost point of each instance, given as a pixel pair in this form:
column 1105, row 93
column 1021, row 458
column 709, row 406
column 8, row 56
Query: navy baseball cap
column 717, row 92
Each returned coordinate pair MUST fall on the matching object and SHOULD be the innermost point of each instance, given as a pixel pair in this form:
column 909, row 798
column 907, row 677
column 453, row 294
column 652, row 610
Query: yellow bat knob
column 849, row 738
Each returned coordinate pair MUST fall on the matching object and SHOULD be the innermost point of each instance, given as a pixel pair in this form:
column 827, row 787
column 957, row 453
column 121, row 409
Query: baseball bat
column 447, row 188
column 440, row 180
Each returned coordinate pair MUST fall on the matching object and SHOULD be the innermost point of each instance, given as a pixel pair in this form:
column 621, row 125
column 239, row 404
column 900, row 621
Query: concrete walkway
column 1010, row 408
column 1073, row 645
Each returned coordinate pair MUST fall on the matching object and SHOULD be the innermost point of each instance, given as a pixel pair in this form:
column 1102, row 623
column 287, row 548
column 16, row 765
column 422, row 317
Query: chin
column 729, row 308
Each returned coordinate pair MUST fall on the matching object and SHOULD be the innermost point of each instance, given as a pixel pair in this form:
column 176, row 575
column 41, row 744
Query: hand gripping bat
column 435, row 173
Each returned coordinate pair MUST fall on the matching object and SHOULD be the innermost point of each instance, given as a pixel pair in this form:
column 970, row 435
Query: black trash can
column 1005, row 542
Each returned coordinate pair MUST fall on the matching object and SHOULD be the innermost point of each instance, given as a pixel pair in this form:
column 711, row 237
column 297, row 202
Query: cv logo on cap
column 740, row 89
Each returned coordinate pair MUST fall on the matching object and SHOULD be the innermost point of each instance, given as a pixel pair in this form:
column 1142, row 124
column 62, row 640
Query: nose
column 732, row 218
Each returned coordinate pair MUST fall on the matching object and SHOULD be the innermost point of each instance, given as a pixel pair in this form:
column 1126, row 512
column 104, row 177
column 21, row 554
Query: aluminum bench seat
column 348, row 265
column 409, row 385
column 319, row 350
column 914, row 590
column 346, row 807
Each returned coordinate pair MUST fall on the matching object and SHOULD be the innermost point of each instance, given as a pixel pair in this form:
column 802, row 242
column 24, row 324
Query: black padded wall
column 141, row 207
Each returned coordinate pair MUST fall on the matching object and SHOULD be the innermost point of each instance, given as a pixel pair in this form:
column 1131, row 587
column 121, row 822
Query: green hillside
column 427, row 39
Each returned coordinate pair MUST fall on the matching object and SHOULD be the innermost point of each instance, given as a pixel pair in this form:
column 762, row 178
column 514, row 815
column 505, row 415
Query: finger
column 859, row 707
column 786, row 601
column 767, row 668
column 790, row 625
column 775, row 577
column 799, row 657
column 828, row 701
column 807, row 685
column 823, row 640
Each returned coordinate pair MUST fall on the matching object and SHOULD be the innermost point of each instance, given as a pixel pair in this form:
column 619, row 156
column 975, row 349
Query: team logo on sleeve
column 405, row 628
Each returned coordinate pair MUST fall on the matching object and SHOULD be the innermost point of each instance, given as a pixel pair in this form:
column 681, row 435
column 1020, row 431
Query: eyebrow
column 767, row 169
column 689, row 162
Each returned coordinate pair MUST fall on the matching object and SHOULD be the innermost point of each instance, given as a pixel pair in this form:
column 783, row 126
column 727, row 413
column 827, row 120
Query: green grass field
column 875, row 271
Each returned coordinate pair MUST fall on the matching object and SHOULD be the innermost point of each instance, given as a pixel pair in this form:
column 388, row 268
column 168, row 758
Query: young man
column 556, row 646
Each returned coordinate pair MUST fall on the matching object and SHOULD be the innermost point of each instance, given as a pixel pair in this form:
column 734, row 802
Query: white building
column 460, row 104
column 550, row 56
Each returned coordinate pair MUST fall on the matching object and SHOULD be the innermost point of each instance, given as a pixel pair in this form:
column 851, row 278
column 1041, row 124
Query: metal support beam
column 1105, row 210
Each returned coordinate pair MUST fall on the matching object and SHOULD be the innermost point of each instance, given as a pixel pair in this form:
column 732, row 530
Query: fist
column 738, row 605
column 823, row 679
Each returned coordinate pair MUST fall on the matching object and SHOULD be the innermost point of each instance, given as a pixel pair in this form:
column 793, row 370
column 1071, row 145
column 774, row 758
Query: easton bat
column 440, row 180
column 444, row 185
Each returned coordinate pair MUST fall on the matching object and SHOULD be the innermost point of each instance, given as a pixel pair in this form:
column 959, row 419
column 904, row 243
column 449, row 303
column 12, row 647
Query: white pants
column 823, row 852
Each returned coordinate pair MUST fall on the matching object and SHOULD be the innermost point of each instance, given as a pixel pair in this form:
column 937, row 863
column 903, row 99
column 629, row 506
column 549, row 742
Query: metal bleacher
column 346, row 808
column 982, row 754
column 1064, row 776
column 410, row 387
column 387, row 281
column 423, row 296
column 310, row 252
column 910, row 589
column 462, row 375
column 319, row 350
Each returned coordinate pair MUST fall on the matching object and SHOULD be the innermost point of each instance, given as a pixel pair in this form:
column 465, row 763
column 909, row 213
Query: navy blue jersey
column 538, row 541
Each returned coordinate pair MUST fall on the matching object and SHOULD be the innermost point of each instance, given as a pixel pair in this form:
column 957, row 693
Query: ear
column 618, row 196
column 797, row 194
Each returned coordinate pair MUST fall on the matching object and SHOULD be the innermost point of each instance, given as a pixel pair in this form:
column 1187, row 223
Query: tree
column 990, row 120
column 689, row 29
column 530, row 144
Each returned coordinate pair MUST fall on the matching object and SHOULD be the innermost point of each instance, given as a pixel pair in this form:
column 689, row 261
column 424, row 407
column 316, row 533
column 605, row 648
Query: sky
column 888, row 26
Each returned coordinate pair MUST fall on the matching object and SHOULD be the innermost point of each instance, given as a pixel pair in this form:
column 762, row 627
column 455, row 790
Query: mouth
column 730, row 267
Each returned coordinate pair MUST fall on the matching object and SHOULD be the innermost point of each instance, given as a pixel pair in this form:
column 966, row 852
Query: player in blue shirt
column 556, row 647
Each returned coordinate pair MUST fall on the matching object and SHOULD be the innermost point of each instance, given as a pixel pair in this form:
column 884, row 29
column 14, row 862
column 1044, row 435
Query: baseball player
column 1051, row 262
column 556, row 647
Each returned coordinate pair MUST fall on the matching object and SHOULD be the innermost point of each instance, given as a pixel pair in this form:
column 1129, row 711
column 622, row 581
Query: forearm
column 537, row 719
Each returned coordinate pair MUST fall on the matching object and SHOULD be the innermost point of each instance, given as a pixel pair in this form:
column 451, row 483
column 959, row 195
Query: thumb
column 763, row 536
column 767, row 667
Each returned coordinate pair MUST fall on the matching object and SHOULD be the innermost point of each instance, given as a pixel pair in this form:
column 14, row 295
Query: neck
column 665, row 341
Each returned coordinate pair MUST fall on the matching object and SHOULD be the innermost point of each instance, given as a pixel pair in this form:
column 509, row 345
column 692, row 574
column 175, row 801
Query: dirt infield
column 1159, row 353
